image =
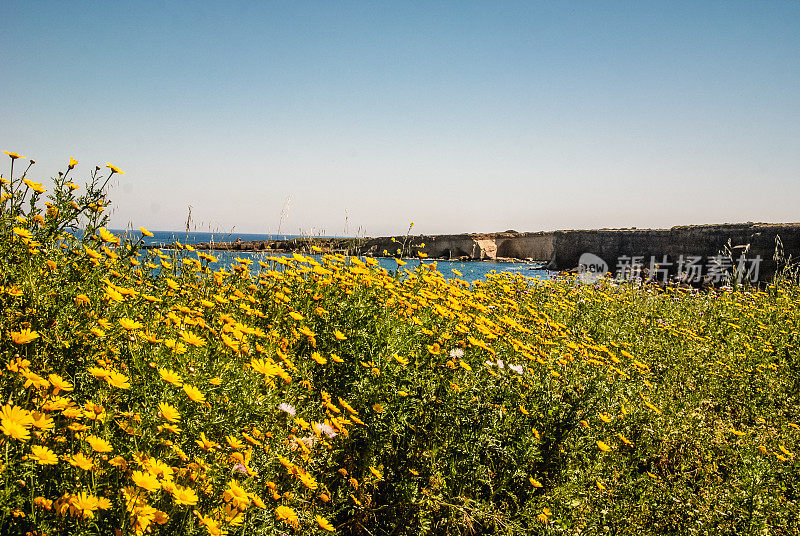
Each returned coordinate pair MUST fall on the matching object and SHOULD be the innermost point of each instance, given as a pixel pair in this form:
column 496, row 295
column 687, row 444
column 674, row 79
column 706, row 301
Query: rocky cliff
column 726, row 245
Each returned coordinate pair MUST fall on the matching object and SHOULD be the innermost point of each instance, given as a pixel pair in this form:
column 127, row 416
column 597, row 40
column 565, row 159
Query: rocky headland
column 562, row 250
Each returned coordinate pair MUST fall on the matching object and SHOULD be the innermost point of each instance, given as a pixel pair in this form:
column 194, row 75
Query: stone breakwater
column 562, row 250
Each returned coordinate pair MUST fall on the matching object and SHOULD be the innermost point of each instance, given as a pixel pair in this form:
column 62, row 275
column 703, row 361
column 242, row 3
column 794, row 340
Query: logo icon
column 591, row 268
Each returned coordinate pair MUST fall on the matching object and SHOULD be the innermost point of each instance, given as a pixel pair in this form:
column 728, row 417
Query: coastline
column 770, row 243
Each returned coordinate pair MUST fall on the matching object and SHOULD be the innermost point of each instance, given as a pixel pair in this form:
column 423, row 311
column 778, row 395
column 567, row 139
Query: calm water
column 471, row 271
column 196, row 237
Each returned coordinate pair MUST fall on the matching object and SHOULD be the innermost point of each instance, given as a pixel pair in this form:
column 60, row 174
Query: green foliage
column 336, row 392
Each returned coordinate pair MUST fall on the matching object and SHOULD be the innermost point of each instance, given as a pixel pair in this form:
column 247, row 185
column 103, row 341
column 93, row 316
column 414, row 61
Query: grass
column 155, row 392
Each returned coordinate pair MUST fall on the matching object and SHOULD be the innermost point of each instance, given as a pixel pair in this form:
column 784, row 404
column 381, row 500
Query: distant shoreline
column 556, row 250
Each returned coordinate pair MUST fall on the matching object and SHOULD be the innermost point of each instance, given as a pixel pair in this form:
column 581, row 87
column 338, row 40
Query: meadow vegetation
column 161, row 392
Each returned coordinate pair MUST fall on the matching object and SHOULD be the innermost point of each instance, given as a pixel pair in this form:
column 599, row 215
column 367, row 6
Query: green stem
column 22, row 178
column 106, row 182
column 11, row 187
column 7, row 472
column 30, row 498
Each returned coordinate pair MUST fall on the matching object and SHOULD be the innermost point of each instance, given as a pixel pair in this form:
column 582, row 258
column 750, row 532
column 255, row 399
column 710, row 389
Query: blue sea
column 196, row 237
column 470, row 270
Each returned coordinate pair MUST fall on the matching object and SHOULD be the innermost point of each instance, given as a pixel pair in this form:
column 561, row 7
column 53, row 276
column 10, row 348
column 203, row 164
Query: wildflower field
column 160, row 392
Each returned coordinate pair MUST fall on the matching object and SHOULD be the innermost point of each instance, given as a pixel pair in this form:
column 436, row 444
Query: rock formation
column 667, row 250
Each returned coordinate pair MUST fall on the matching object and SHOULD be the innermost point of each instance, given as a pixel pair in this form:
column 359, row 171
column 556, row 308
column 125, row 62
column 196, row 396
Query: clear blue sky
column 460, row 116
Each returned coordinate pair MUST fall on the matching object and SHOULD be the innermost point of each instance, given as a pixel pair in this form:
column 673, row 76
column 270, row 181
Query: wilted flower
column 457, row 353
column 288, row 408
column 324, row 428
column 516, row 368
